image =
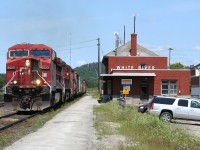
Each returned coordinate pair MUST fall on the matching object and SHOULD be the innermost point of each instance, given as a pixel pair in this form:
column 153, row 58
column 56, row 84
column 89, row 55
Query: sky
column 71, row 27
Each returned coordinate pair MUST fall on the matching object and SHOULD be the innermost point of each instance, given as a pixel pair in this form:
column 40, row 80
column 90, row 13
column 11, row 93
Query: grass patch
column 16, row 132
column 146, row 130
column 94, row 93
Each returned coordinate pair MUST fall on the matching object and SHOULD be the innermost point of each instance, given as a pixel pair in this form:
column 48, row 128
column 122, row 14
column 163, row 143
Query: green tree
column 89, row 72
column 177, row 66
column 2, row 80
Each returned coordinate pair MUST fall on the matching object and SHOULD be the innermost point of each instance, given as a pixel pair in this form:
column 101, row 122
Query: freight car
column 36, row 78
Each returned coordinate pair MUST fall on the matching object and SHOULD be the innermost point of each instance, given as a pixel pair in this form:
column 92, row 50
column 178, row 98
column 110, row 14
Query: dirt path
column 72, row 129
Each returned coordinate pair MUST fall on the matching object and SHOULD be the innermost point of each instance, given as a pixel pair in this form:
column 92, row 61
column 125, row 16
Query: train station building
column 195, row 80
column 142, row 73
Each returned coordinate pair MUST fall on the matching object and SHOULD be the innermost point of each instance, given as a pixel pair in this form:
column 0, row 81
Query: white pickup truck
column 168, row 108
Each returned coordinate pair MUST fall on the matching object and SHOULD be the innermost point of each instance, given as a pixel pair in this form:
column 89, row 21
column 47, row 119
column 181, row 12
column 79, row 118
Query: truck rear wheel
column 166, row 116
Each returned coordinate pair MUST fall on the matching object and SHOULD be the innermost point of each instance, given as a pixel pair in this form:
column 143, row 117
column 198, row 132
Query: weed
column 145, row 129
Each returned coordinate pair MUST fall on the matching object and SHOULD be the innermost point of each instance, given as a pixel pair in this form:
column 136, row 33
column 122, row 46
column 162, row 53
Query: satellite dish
column 116, row 33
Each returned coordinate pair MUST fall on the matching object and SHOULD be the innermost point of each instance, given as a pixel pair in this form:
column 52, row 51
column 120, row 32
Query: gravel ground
column 191, row 127
column 72, row 129
column 4, row 110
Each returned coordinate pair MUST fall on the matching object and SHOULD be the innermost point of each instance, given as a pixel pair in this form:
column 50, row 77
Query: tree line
column 2, row 80
column 89, row 72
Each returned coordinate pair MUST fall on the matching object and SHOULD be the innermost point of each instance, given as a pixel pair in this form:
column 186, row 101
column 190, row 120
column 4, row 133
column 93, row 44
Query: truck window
column 183, row 103
column 161, row 100
column 195, row 104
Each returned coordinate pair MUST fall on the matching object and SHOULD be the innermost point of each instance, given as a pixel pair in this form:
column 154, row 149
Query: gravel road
column 72, row 129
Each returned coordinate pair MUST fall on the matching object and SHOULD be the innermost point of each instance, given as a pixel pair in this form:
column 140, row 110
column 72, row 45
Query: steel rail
column 16, row 122
column 8, row 115
column 1, row 104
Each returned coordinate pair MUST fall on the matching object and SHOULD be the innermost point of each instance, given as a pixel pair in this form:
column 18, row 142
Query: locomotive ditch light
column 28, row 63
column 15, row 81
column 38, row 81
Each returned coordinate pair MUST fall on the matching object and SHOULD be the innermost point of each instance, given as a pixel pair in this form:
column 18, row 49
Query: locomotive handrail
column 60, row 84
column 14, row 73
column 43, row 79
column 63, row 87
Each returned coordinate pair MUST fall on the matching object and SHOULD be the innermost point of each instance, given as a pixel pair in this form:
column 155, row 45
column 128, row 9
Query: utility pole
column 198, row 67
column 70, row 42
column 170, row 49
column 99, row 66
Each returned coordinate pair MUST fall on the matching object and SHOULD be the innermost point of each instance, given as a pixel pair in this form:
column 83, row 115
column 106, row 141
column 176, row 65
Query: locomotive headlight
column 28, row 63
column 15, row 82
column 38, row 82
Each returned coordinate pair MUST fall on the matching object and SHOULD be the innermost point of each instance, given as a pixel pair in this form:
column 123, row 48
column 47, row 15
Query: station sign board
column 126, row 81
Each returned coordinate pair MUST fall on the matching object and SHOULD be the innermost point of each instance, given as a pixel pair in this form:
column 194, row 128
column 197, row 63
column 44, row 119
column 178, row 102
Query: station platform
column 71, row 129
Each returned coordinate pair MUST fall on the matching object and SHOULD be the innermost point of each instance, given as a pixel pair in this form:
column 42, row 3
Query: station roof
column 124, row 50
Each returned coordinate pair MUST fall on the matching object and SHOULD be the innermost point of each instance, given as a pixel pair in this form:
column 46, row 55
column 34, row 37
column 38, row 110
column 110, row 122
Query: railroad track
column 1, row 101
column 12, row 119
column 1, row 104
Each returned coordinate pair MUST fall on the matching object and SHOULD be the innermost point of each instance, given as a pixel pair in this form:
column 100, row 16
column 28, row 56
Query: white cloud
column 197, row 48
column 81, row 62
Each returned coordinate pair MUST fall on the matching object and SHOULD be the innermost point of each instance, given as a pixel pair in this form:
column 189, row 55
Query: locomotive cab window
column 40, row 53
column 18, row 53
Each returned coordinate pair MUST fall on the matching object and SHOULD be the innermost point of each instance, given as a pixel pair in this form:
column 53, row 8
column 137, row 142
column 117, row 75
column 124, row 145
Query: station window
column 169, row 87
column 142, row 66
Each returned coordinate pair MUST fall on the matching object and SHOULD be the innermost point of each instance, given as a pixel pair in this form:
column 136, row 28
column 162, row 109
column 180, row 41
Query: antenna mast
column 134, row 22
column 124, row 35
column 116, row 40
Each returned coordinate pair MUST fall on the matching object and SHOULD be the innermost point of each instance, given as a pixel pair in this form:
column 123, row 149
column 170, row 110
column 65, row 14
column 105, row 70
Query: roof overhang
column 128, row 75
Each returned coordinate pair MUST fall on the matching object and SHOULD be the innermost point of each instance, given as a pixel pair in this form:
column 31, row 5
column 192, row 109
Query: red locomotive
column 36, row 78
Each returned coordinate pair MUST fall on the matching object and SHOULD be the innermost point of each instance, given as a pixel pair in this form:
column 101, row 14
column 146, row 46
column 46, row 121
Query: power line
column 67, row 49
column 101, row 50
column 77, row 48
column 85, row 41
column 76, row 43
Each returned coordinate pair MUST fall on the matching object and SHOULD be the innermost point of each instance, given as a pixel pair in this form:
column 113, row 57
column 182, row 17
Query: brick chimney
column 133, row 44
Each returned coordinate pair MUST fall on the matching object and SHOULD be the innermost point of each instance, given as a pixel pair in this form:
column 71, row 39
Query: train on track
column 36, row 78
